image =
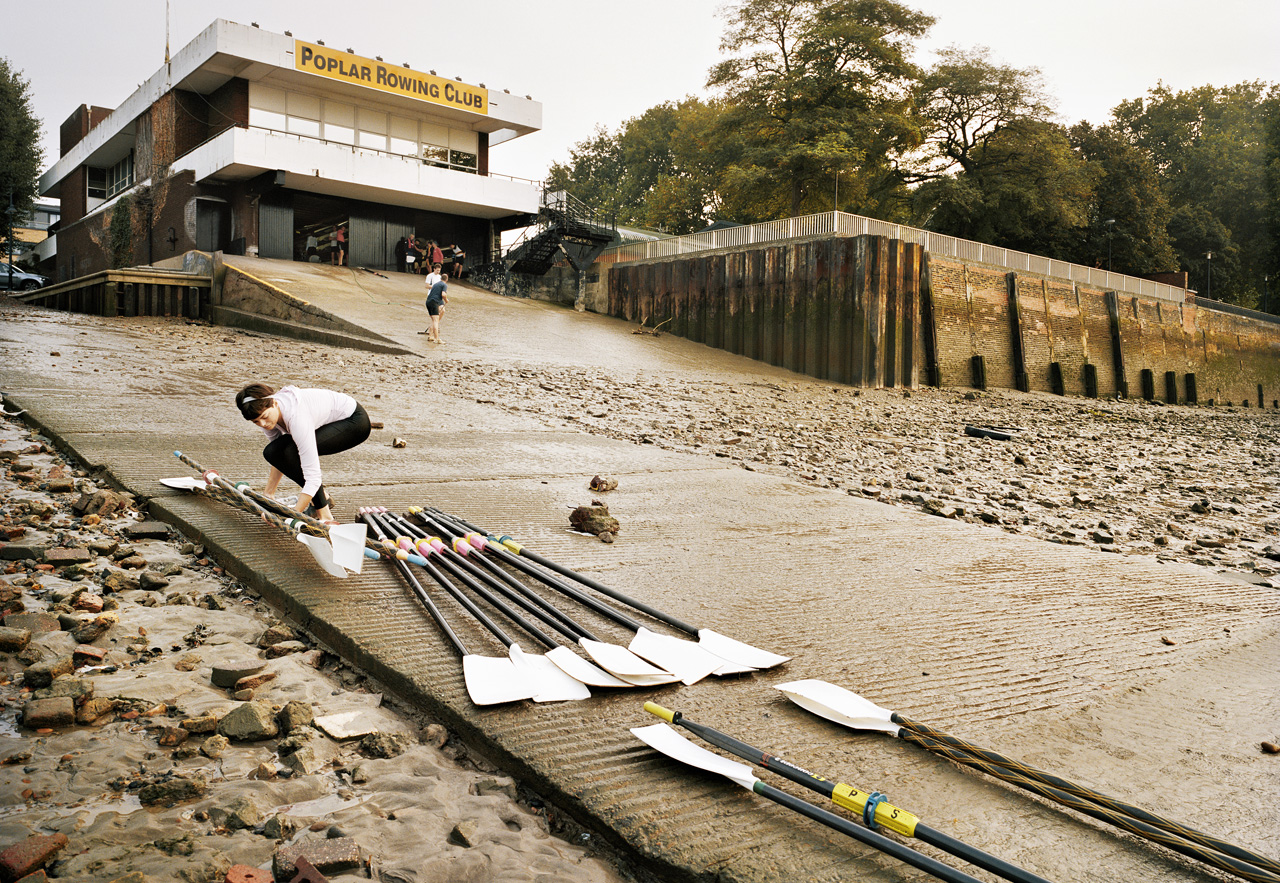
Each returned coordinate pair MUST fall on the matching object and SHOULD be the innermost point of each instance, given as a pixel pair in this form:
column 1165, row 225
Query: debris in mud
column 601, row 483
column 594, row 519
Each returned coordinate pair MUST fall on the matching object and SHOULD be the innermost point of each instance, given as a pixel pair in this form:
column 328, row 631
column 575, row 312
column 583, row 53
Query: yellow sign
column 379, row 75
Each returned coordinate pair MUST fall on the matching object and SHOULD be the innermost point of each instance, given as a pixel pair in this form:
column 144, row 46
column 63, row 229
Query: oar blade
column 624, row 664
column 579, row 669
column 185, row 483
column 494, row 680
column 737, row 652
column 348, row 545
column 549, row 681
column 323, row 553
column 839, row 705
column 686, row 660
column 663, row 738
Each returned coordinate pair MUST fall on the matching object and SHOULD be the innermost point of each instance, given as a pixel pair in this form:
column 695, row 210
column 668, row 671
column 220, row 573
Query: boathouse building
column 252, row 142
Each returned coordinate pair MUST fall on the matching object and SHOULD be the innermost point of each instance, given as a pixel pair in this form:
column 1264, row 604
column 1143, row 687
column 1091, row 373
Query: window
column 463, row 162
column 435, row 156
column 97, row 183
column 120, row 176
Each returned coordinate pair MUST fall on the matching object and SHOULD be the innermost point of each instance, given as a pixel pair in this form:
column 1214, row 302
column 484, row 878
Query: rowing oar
column 489, row 680
column 853, row 711
column 346, row 542
column 569, row 663
column 334, row 561
column 627, row 663
column 662, row 738
column 690, row 662
column 734, row 651
column 875, row 811
column 550, row 683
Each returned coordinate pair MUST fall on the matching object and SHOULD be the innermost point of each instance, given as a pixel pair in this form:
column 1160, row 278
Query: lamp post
column 837, row 202
column 1208, row 274
column 1111, row 226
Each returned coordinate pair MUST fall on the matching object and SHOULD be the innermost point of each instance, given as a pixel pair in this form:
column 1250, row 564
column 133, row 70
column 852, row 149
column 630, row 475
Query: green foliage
column 20, row 154
column 812, row 88
column 812, row 92
column 1028, row 191
column 120, row 234
column 1128, row 195
column 659, row 170
column 966, row 99
column 1210, row 146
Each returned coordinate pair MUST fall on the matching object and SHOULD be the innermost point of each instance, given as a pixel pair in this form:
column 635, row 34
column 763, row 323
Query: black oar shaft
column 424, row 597
column 454, row 592
column 585, row 580
column 507, row 557
column 509, row 587
column 902, row 853
column 850, row 798
column 1103, row 800
column 1242, row 869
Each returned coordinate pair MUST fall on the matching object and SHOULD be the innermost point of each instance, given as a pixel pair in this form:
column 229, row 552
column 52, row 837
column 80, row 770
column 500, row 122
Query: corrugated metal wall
column 275, row 231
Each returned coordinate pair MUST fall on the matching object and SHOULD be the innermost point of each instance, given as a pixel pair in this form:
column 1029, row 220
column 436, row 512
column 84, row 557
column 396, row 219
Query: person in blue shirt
column 435, row 307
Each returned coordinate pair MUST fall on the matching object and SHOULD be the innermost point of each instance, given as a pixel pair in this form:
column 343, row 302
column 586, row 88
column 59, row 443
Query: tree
column 813, row 88
column 1128, row 223
column 1028, row 191
column 20, row 154
column 966, row 99
column 660, row 169
column 1209, row 146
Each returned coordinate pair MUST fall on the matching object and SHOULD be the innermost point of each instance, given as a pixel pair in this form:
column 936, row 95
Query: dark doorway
column 213, row 225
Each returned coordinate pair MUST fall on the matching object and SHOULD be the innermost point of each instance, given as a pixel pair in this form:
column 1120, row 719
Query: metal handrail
column 356, row 147
column 844, row 225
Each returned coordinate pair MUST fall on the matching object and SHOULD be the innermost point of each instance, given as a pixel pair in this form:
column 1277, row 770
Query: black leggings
column 332, row 438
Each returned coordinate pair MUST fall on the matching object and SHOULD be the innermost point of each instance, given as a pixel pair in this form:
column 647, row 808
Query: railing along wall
column 843, row 224
column 128, row 292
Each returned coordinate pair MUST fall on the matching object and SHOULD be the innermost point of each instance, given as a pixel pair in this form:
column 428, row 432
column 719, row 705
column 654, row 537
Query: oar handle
column 1230, row 864
column 542, row 610
column 891, row 847
column 456, row 593
column 585, row 580
column 461, row 570
column 1080, row 791
column 424, row 597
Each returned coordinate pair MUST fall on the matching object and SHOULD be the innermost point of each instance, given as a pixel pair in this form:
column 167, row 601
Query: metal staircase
column 566, row 227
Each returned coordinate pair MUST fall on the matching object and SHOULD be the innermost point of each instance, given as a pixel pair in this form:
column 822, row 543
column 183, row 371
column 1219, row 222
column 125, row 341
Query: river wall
column 871, row 311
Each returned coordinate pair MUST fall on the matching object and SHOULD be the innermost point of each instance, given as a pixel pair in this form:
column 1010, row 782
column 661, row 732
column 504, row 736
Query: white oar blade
column 732, row 668
column 184, row 483
column 839, row 705
column 348, row 545
column 494, row 680
column 550, row 683
column 684, row 659
column 580, row 670
column 663, row 738
column 323, row 553
column 624, row 664
column 737, row 652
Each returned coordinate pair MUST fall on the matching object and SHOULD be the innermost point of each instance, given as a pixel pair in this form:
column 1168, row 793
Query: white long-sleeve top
column 302, row 412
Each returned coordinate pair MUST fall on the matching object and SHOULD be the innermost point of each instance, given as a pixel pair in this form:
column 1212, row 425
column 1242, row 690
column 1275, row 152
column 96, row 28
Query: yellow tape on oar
column 511, row 544
column 658, row 711
column 898, row 820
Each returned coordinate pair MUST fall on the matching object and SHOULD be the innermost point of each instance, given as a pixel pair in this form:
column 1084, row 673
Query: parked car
column 14, row 279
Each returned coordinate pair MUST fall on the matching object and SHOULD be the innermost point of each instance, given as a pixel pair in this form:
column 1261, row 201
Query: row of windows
column 106, row 183
column 315, row 117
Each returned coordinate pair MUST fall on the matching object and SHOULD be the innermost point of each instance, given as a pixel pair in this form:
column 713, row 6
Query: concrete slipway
column 1048, row 653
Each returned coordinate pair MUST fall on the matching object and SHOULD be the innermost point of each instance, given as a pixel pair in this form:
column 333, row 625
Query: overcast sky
column 598, row 63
